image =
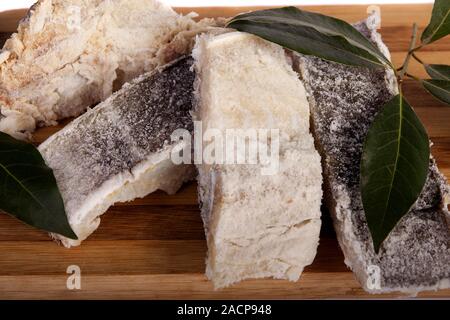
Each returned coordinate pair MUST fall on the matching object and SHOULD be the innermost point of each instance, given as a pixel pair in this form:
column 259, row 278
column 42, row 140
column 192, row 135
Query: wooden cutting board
column 154, row 248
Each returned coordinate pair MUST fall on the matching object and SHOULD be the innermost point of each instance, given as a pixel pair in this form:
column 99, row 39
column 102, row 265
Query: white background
column 15, row 4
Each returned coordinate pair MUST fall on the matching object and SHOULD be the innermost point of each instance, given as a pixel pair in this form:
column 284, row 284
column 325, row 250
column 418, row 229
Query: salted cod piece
column 344, row 102
column 120, row 150
column 68, row 55
column 256, row 225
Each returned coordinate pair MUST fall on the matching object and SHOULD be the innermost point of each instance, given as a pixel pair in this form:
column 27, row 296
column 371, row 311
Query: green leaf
column 28, row 189
column 312, row 34
column 439, row 25
column 440, row 89
column 438, row 71
column 394, row 167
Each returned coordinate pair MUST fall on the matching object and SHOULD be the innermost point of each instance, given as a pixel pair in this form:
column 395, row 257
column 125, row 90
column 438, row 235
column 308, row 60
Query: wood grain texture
column 154, row 248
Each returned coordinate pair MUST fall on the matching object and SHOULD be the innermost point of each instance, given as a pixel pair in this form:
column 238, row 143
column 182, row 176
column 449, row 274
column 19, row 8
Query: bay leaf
column 439, row 25
column 28, row 189
column 440, row 89
column 394, row 167
column 313, row 34
column 438, row 71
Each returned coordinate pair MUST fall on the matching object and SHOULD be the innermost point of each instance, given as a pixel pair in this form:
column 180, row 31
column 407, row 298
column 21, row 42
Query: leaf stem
column 412, row 77
column 411, row 50
column 417, row 58
column 417, row 48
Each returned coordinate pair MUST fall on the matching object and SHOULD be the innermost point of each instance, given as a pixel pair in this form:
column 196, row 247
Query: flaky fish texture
column 68, row 55
column 257, row 224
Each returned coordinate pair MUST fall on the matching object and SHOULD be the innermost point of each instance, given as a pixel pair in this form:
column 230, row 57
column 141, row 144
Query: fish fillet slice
column 68, row 55
column 120, row 150
column 344, row 102
column 256, row 225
